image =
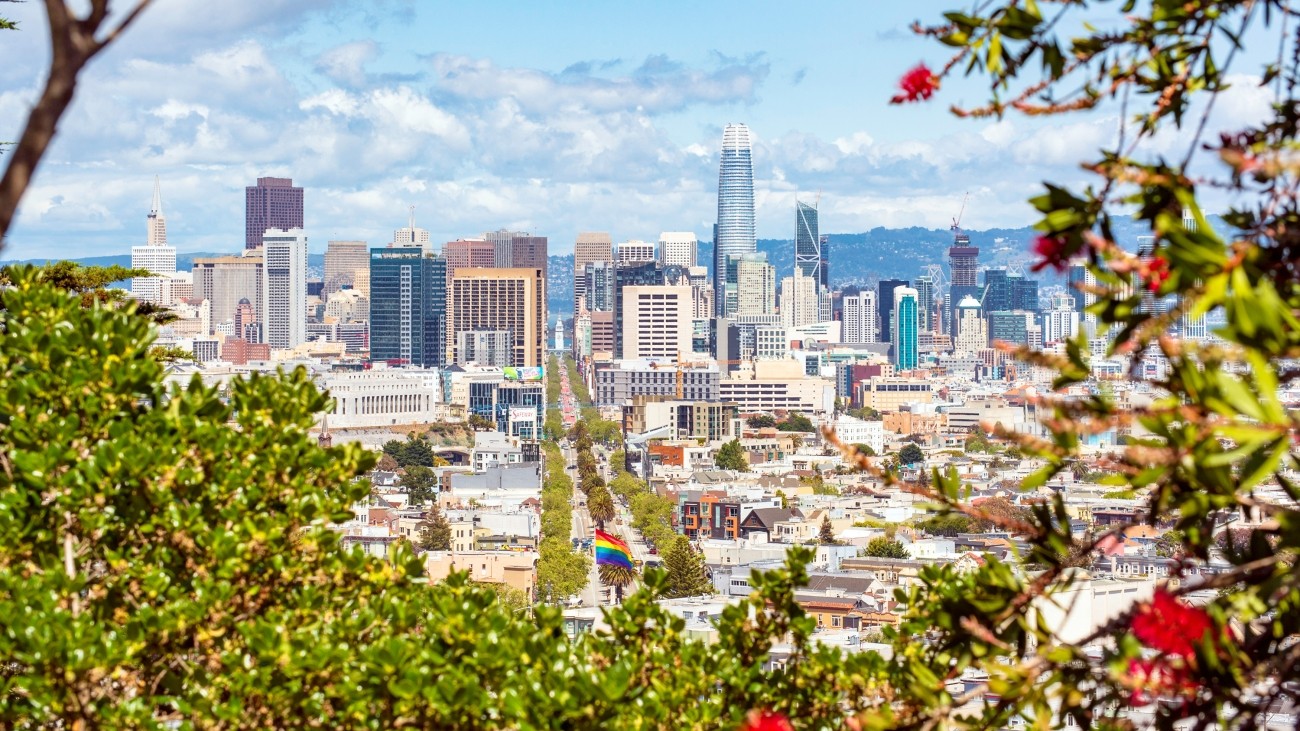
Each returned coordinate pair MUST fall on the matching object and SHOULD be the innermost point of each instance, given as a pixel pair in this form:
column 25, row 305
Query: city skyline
column 621, row 136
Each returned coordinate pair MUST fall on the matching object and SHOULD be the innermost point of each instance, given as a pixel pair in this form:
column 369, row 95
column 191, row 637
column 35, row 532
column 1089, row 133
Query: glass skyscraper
column 807, row 243
column 408, row 302
column 734, row 235
column 905, row 330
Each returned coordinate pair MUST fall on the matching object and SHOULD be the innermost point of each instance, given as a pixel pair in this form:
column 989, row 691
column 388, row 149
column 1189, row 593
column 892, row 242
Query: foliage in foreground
column 160, row 563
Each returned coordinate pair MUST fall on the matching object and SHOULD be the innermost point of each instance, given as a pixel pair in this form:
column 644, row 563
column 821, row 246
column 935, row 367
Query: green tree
column 561, row 571
column 761, row 421
column 600, row 504
column 414, row 451
column 618, row 462
column 421, row 483
column 652, row 515
column 731, row 456
column 978, row 442
column 435, row 530
column 882, row 547
column 686, row 571
column 626, row 485
column 796, row 422
column 480, row 423
column 826, row 534
column 911, row 454
column 946, row 525
column 1170, row 544
column 865, row 449
column 619, row 577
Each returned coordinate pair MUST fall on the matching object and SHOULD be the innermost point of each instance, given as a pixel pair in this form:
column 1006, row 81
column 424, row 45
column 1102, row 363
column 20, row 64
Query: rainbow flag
column 610, row 550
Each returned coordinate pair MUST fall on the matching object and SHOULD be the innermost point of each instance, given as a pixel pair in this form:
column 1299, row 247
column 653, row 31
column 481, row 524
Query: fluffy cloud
column 476, row 144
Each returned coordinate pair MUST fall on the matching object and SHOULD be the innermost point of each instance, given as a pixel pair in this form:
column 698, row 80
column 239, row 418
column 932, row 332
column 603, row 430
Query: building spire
column 157, row 221
column 156, row 209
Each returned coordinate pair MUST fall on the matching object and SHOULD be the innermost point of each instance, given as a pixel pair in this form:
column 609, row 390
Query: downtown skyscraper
column 733, row 236
column 272, row 203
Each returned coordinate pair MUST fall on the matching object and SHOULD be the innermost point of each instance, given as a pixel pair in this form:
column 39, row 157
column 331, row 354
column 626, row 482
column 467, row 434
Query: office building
column 274, row 203
column 679, row 248
column 635, row 252
column 528, row 252
column 885, row 302
column 511, row 299
column 972, row 331
column 408, row 307
column 591, row 246
column 343, row 259
column 756, row 285
column 598, row 286
column 824, row 271
column 1061, row 321
column 1010, row 327
column 284, row 287
column 925, row 294
column 618, row 381
column 155, row 256
column 800, row 304
column 411, row 236
column 229, row 281
column 807, row 242
column 733, row 235
column 1192, row 327
column 642, row 274
column 861, row 319
column 904, row 328
column 484, row 347
column 657, row 323
column 963, row 259
column 477, row 253
column 347, row 305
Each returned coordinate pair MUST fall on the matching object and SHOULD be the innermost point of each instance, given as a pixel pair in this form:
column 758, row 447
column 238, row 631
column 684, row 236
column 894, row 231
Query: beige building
column 891, row 394
column 777, row 385
column 500, row 299
column 590, row 246
column 755, row 286
column 343, row 259
column 657, row 322
column 225, row 280
column 634, row 252
column 515, row 569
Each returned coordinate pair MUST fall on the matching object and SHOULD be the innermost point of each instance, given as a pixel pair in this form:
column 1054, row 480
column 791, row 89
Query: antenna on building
column 411, row 223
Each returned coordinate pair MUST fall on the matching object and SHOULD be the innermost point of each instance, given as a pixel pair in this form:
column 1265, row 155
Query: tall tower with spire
column 733, row 237
column 156, row 256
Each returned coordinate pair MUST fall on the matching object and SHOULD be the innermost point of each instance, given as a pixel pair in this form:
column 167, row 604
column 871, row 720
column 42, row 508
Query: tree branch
column 72, row 46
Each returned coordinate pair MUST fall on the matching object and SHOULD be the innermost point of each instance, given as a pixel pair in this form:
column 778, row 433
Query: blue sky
column 549, row 117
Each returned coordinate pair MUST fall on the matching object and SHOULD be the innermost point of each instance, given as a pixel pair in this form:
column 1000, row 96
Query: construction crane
column 956, row 222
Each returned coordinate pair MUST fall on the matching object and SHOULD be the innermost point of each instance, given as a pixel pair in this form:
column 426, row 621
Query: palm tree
column 600, row 504
column 617, row 577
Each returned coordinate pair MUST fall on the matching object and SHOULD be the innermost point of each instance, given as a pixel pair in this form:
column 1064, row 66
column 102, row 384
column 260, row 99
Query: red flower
column 1148, row 679
column 919, row 83
column 766, row 721
column 1170, row 626
column 1053, row 251
column 1155, row 272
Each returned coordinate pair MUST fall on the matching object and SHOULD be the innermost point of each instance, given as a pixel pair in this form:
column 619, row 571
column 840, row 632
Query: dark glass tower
column 408, row 305
column 807, row 242
column 885, row 304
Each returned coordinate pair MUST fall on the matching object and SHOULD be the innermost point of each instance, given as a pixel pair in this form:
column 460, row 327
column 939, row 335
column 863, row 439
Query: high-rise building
column 824, row 271
column 657, row 322
column 925, row 291
column 408, row 309
column 1010, row 327
column 1080, row 279
column 701, row 291
column 155, row 256
column 800, row 304
column 904, row 330
column 502, row 248
column 1061, row 321
column 963, row 259
column 885, row 301
column 756, row 285
column 972, row 331
column 641, row 274
column 591, row 246
column 227, row 282
column 284, row 284
column 734, row 235
column 807, row 242
column 528, row 252
column 512, row 299
column 635, row 252
column 861, row 323
column 484, row 347
column 272, row 203
column 1192, row 327
column 598, row 286
column 411, row 236
column 343, row 259
column 679, row 248
column 477, row 253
